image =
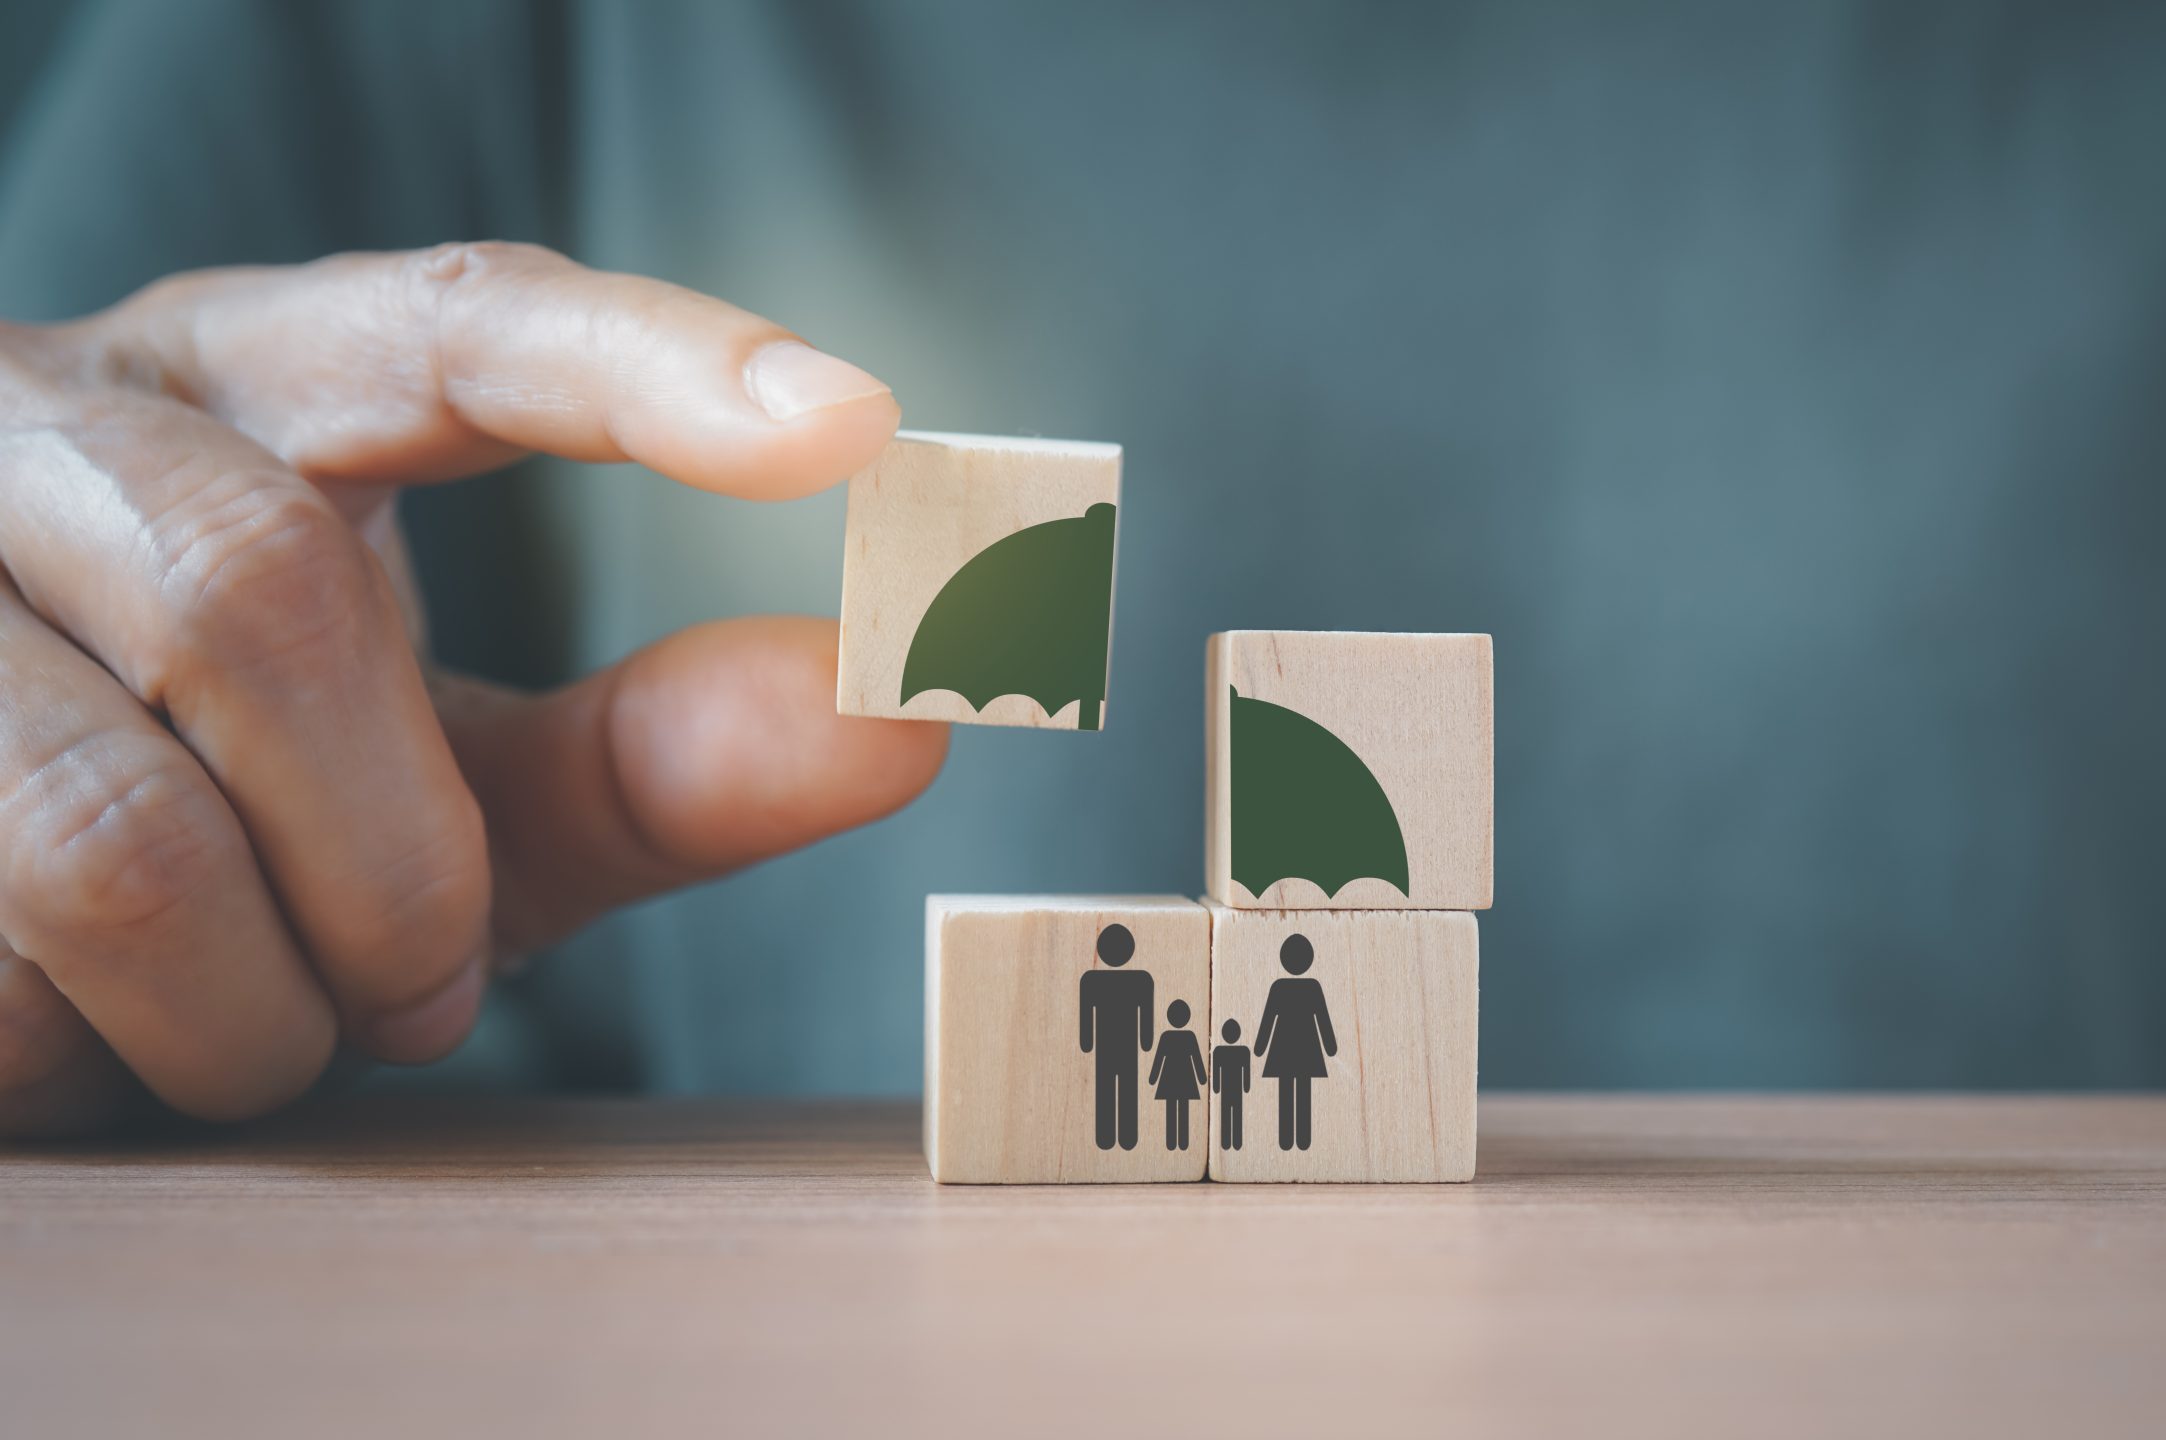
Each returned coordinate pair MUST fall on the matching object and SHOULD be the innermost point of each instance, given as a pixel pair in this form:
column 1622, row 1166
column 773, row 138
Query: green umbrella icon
column 1027, row 615
column 1305, row 806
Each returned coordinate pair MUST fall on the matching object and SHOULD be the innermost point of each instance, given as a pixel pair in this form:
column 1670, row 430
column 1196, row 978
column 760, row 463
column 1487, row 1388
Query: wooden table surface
column 1731, row 1267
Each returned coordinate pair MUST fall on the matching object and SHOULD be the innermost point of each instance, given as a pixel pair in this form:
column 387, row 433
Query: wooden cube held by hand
column 977, row 582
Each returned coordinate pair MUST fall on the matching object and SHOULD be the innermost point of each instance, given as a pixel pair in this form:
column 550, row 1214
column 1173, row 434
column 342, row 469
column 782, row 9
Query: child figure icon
column 1178, row 1073
column 1229, row 1082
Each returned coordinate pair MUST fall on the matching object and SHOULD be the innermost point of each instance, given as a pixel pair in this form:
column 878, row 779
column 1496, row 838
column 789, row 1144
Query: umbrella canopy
column 1305, row 806
column 1027, row 615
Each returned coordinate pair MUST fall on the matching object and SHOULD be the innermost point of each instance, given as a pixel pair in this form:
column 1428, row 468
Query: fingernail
column 789, row 378
column 431, row 1029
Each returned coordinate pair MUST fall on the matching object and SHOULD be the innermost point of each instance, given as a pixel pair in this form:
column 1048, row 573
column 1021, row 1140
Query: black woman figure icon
column 1293, row 1039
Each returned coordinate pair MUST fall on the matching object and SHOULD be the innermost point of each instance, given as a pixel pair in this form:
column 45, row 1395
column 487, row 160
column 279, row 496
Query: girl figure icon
column 1178, row 1073
column 1293, row 1038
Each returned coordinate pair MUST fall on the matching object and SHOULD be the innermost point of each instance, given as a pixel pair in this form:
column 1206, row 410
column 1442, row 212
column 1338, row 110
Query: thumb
column 714, row 748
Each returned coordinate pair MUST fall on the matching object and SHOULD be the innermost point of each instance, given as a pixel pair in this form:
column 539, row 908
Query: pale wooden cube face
column 1014, row 986
column 977, row 582
column 1367, row 1065
column 1348, row 771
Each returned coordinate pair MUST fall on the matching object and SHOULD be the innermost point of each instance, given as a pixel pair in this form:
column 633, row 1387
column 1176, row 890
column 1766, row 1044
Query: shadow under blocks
column 1315, row 1017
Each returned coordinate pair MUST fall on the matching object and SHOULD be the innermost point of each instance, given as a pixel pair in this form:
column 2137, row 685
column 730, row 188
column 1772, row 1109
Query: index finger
column 433, row 364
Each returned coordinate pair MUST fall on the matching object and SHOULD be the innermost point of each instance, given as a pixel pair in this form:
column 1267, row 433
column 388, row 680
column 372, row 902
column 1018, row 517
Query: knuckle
column 446, row 265
column 267, row 579
column 106, row 840
column 431, row 907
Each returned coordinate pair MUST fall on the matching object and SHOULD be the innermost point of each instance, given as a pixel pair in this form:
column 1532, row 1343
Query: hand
column 238, row 819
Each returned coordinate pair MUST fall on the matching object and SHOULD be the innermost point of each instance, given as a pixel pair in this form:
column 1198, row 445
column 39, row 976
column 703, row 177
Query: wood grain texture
column 1625, row 1266
column 927, row 506
column 1010, row 1096
column 1396, row 1103
column 1418, row 711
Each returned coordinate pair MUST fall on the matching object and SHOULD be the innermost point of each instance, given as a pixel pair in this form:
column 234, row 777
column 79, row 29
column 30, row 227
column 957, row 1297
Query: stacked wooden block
column 1314, row 1018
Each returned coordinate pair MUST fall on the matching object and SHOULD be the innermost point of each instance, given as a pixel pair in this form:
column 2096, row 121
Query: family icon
column 1115, row 1013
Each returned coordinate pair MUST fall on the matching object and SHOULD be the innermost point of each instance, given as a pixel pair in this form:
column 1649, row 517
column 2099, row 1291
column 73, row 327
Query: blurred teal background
column 1784, row 386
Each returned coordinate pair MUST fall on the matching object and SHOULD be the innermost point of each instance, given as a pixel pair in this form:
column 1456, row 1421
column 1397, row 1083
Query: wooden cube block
column 977, row 582
column 1347, row 771
column 1066, row 1038
column 1355, row 1030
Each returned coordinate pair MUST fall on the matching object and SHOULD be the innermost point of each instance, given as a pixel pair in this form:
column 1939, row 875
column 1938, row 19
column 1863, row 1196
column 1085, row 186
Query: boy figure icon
column 1177, row 1072
column 1116, row 1018
column 1229, row 1082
